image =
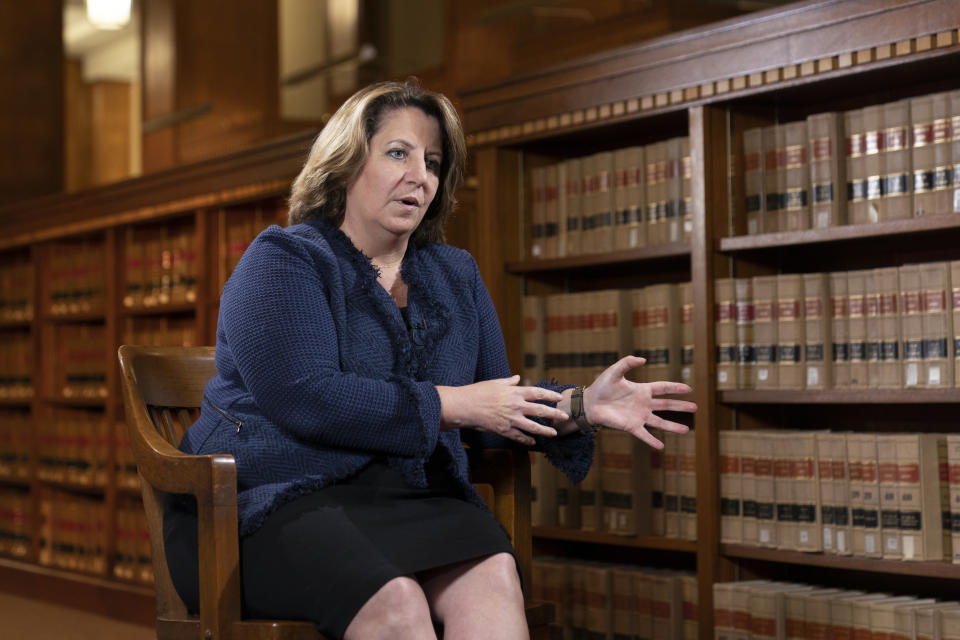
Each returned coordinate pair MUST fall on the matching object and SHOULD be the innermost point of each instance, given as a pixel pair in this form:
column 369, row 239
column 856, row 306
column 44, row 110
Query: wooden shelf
column 840, row 235
column 10, row 481
column 15, row 402
column 843, row 396
column 95, row 594
column 75, row 402
column 14, row 324
column 159, row 310
column 944, row 570
column 72, row 487
column 670, row 251
column 67, row 318
column 596, row 537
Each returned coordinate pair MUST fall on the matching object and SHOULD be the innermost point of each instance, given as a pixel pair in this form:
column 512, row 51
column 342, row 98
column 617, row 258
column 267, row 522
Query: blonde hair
column 340, row 150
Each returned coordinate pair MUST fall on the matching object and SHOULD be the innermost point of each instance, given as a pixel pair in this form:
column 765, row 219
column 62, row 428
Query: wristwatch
column 578, row 414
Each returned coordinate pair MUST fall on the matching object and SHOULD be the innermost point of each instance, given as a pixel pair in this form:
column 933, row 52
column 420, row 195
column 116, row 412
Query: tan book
column 842, row 613
column 911, row 325
column 817, row 611
column 889, row 496
column 726, row 333
column 723, row 628
column 868, row 541
column 937, row 371
column 785, row 513
column 790, row 331
column 795, row 195
column 944, row 179
column 604, row 208
column 884, row 372
column 905, row 615
column 766, row 606
column 873, row 167
column 571, row 205
column 731, row 515
column 643, row 603
column 926, row 620
column 765, row 487
column 666, row 605
column 839, row 330
column 806, row 492
column 630, row 229
column 953, row 199
column 686, row 202
column 795, row 625
column 671, row 484
column 685, row 295
column 639, row 338
column 534, row 339
column 946, row 622
column 551, row 214
column 740, row 606
column 835, row 492
column 744, row 316
column 588, row 203
column 953, row 482
column 772, row 178
column 753, row 179
column 662, row 332
column 817, row 336
column 538, row 212
column 687, row 485
column 625, row 482
column 857, row 212
column 765, row 332
column 954, row 298
column 897, row 174
column 674, row 189
column 748, row 486
column 689, row 605
column 654, row 180
column 543, row 491
column 827, row 170
column 610, row 312
column 922, row 154
column 598, row 600
column 857, row 328
column 555, row 361
column 568, row 502
column 883, row 619
column 921, row 498
column 624, row 618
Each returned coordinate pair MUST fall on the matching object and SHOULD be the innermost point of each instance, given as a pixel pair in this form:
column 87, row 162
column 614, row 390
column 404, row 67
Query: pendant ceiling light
column 108, row 14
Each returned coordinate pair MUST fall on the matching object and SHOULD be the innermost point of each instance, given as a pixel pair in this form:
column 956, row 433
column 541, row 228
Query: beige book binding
column 857, row 328
column 937, row 325
column 765, row 332
column 840, row 334
column 726, row 333
column 731, row 505
column 817, row 339
column 753, row 179
column 856, row 187
column 571, row 205
column 873, row 168
column 897, row 202
column 828, row 195
column 795, row 194
column 790, row 331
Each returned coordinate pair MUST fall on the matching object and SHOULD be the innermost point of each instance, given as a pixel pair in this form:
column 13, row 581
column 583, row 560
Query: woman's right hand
column 500, row 406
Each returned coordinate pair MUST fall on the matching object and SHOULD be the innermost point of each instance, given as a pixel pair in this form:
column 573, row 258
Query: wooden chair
column 162, row 390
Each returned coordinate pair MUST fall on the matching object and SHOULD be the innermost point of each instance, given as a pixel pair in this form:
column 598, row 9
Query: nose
column 417, row 170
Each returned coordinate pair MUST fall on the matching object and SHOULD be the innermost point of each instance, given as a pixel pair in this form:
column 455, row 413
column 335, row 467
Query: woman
column 355, row 354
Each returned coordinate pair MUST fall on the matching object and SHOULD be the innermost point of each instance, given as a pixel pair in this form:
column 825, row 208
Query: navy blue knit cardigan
column 317, row 373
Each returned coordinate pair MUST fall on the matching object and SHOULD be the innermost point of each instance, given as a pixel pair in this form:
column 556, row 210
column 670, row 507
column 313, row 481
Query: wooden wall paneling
column 496, row 240
column 112, row 411
column 203, row 220
column 709, row 197
column 31, row 99
column 158, row 54
column 77, row 134
column 110, row 132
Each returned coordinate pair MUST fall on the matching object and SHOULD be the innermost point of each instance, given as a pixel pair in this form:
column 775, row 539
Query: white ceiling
column 106, row 55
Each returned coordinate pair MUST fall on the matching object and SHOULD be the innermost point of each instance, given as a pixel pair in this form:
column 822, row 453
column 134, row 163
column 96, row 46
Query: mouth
column 410, row 202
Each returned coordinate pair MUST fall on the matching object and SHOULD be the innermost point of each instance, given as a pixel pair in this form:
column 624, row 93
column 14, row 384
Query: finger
column 663, row 388
column 539, row 393
column 667, row 404
column 512, row 380
column 647, row 437
column 623, row 365
column 657, row 422
column 521, row 437
column 543, row 411
column 535, row 428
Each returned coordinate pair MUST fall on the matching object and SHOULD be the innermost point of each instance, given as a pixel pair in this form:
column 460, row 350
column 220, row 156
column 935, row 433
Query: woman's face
column 399, row 178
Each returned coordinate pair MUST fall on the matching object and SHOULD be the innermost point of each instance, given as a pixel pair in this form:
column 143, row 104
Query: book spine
column 726, row 333
column 806, row 490
column 685, row 294
column 922, row 155
column 674, row 189
column 790, row 331
column 745, row 318
column 911, row 324
column 772, row 195
column 873, row 139
column 937, row 325
column 731, row 520
column 839, row 330
column 897, row 202
column 827, row 170
column 953, row 480
column 753, row 179
column 857, row 328
column 817, row 339
column 795, row 203
column 765, row 332
column 573, row 205
column 890, row 540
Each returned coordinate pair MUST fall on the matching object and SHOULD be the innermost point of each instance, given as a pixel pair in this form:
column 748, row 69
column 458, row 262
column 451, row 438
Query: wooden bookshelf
column 711, row 84
column 598, row 537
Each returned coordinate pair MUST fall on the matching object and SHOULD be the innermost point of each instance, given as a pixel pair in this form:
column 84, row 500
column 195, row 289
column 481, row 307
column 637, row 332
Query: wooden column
column 31, row 99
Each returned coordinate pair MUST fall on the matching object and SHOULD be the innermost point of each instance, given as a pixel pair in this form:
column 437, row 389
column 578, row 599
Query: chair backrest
column 163, row 389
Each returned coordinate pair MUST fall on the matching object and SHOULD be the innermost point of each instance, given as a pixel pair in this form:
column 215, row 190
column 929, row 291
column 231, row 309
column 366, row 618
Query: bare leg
column 478, row 599
column 397, row 611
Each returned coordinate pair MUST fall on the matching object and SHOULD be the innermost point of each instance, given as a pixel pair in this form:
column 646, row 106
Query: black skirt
column 323, row 555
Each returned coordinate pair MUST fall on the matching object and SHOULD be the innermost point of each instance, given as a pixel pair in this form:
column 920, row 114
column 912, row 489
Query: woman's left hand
column 617, row 403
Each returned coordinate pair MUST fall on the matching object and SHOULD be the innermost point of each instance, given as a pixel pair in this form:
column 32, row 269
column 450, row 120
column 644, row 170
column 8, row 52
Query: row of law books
column 601, row 600
column 888, row 495
column 161, row 267
column 81, row 368
column 16, row 291
column 73, row 447
column 16, row 435
column 76, row 278
column 882, row 162
column 884, row 328
column 573, row 337
column 631, row 197
column 132, row 558
column 161, row 331
column 16, row 528
column 771, row 610
column 72, row 532
column 16, row 366
column 630, row 490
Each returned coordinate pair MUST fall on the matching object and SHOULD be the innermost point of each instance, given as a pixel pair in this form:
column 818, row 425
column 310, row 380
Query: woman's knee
column 501, row 568
column 398, row 609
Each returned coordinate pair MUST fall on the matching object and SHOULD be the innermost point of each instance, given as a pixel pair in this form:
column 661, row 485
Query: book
column 657, row 510
column 890, row 540
column 765, row 487
column 589, row 490
column 685, row 295
column 795, row 193
column 765, row 372
column 772, row 177
column 790, row 331
column 745, row 317
column 922, row 153
column 857, row 328
column 602, row 194
column 827, row 170
column 671, row 484
column 731, row 516
column 784, row 489
column 625, row 481
column 624, row 621
column 953, row 482
column 686, row 201
column 855, row 157
column 817, row 334
column 866, row 536
column 937, row 369
column 834, row 492
column 538, row 212
column 571, row 205
column 748, row 487
column 897, row 202
column 551, row 214
column 661, row 332
column 629, row 185
column 921, row 498
column 839, row 330
column 753, row 179
column 873, row 166
column 725, row 326
column 806, row 491
column 674, row 189
column 884, row 361
column 687, row 485
column 911, row 324
column 534, row 339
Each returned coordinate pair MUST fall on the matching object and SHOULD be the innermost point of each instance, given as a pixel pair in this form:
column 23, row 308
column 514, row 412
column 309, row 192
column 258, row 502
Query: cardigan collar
column 417, row 271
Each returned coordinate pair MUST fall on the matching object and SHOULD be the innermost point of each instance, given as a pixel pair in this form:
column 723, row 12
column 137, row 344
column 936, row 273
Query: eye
column 433, row 166
column 397, row 153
